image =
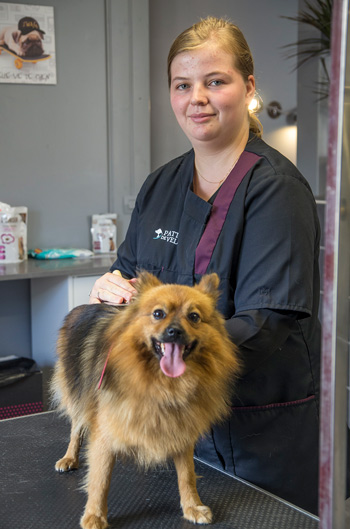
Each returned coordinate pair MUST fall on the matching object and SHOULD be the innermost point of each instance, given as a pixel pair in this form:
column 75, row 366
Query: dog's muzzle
column 173, row 348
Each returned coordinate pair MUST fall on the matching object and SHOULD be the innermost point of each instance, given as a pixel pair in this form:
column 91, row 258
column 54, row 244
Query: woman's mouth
column 200, row 118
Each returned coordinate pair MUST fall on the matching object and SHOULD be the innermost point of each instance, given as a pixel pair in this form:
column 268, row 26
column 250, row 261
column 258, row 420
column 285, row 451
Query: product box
column 13, row 233
column 21, row 390
column 104, row 233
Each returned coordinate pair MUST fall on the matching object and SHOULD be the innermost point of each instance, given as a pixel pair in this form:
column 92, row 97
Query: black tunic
column 267, row 259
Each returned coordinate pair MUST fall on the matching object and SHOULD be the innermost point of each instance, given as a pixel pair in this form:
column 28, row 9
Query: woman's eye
column 182, row 86
column 215, row 82
column 194, row 317
column 159, row 314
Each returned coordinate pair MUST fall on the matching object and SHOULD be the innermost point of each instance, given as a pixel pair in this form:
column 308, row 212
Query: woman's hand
column 113, row 289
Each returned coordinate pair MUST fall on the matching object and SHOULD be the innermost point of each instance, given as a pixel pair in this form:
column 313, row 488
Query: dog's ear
column 16, row 35
column 209, row 284
column 145, row 280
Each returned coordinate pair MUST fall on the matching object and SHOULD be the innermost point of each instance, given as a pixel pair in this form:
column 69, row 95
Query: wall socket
column 129, row 203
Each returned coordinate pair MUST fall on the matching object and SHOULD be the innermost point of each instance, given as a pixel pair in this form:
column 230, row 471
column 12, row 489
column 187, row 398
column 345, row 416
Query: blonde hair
column 230, row 38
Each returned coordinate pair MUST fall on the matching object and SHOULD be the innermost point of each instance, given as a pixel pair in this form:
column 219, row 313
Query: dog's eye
column 194, row 317
column 159, row 314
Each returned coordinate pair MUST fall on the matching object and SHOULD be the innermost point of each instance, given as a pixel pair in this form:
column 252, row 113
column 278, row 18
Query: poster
column 27, row 44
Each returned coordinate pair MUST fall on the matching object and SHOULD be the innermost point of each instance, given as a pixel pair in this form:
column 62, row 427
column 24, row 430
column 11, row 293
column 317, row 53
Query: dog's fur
column 146, row 406
column 29, row 45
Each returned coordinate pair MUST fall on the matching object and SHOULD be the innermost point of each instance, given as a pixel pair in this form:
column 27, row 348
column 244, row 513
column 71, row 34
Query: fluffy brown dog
column 168, row 367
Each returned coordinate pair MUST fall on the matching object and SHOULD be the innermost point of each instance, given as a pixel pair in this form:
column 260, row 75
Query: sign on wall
column 27, row 44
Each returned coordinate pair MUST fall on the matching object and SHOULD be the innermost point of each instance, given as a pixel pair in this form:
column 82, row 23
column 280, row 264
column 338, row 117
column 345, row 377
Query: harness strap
column 219, row 210
column 104, row 368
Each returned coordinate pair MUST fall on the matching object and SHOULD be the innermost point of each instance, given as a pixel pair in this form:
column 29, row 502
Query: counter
column 35, row 268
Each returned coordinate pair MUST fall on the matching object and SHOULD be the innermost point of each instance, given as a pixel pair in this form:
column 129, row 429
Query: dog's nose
column 173, row 333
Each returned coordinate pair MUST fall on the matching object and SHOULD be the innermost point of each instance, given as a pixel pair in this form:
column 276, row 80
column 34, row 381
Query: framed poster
column 27, row 44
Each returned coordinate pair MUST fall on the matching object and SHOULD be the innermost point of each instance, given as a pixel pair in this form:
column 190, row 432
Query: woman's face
column 209, row 96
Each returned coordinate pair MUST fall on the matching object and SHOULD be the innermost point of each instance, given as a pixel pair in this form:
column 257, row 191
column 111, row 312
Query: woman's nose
column 199, row 96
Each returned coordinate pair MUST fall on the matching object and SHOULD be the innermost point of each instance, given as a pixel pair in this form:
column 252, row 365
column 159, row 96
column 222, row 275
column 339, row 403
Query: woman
column 235, row 206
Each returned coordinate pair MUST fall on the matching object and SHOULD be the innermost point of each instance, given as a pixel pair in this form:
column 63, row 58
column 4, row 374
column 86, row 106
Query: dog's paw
column 91, row 521
column 17, row 49
column 66, row 463
column 198, row 514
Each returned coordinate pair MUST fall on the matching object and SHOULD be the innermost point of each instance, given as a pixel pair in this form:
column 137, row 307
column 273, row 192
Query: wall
column 74, row 149
column 81, row 155
column 53, row 138
column 312, row 146
column 265, row 31
column 83, row 146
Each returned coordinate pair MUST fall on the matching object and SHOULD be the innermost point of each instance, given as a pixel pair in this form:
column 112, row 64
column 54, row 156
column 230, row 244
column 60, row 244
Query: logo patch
column 167, row 236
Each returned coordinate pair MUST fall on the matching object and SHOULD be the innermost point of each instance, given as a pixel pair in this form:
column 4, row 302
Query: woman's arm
column 259, row 334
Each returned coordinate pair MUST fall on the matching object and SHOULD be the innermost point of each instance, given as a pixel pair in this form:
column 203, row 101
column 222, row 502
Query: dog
column 24, row 40
column 144, row 381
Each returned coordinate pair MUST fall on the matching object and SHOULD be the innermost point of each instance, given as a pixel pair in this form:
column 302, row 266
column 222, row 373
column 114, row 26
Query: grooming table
column 34, row 496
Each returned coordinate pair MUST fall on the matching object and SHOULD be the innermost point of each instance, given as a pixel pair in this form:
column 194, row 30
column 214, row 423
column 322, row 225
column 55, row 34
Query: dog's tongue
column 172, row 363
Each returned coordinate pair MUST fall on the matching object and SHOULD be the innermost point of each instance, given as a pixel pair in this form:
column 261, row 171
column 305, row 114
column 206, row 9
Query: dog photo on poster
column 27, row 44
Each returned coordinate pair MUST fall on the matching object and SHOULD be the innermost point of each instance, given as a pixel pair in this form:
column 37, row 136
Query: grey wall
column 312, row 145
column 81, row 146
column 53, row 139
column 77, row 148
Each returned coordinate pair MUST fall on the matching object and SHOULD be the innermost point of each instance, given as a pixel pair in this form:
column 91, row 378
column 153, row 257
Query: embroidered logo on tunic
column 167, row 235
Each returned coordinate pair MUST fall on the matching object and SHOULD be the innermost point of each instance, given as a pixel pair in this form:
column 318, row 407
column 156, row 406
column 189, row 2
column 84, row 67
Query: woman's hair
column 230, row 38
